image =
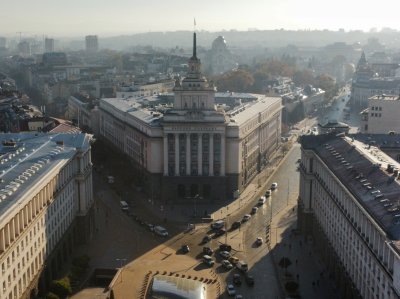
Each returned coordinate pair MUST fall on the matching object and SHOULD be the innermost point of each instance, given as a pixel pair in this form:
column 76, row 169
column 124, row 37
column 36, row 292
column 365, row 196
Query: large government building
column 349, row 206
column 45, row 207
column 194, row 147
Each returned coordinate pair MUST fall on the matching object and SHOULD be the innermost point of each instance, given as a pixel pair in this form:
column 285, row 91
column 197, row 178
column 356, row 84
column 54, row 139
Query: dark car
column 225, row 247
column 236, row 224
column 185, row 248
column 207, row 250
column 236, row 279
column 220, row 232
column 206, row 239
column 249, row 279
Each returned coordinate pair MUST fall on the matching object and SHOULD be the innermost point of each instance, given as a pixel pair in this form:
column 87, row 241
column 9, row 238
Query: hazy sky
column 109, row 17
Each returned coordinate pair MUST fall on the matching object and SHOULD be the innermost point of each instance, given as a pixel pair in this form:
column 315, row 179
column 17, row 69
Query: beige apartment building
column 46, row 201
column 349, row 209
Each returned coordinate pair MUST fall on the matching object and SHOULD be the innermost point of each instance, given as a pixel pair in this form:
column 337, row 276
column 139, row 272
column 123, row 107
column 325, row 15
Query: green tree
column 52, row 296
column 62, row 287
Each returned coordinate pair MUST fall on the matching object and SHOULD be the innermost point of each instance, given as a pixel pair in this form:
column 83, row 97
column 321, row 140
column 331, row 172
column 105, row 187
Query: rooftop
column 25, row 159
column 385, row 97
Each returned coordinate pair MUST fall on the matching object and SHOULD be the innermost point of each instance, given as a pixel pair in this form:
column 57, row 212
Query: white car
column 262, row 200
column 274, row 186
column 231, row 290
column 259, row 241
column 224, row 254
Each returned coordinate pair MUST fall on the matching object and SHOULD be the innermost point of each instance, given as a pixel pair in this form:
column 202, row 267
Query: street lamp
column 121, row 261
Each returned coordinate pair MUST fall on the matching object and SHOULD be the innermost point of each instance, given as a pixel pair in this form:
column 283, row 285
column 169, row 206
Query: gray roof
column 29, row 157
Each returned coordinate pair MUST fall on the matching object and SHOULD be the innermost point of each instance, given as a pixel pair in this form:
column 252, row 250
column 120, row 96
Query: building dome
column 219, row 43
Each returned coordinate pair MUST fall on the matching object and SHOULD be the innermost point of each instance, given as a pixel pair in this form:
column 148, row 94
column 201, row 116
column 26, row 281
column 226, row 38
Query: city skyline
column 75, row 18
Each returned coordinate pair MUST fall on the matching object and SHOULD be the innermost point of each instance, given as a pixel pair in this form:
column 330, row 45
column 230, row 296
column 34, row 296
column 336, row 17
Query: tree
column 239, row 81
column 62, row 287
column 303, row 77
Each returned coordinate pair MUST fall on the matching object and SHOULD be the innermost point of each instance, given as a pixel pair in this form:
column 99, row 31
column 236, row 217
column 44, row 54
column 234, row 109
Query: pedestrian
column 313, row 284
column 290, row 246
column 297, row 276
column 300, row 243
column 317, row 282
column 296, row 261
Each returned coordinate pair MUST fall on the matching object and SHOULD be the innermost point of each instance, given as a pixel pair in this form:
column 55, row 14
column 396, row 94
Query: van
column 124, row 205
column 161, row 231
column 242, row 266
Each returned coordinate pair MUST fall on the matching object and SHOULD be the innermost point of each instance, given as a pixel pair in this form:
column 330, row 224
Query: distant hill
column 243, row 39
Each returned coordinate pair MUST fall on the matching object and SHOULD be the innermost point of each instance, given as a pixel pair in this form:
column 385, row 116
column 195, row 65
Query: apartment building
column 349, row 208
column 46, row 201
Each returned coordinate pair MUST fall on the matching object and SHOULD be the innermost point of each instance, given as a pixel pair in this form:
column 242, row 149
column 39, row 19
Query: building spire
column 194, row 45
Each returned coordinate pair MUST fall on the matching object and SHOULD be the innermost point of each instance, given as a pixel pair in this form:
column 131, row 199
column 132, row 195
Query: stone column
column 176, row 154
column 222, row 172
column 166, row 154
column 200, row 154
column 211, row 155
column 188, row 154
column 2, row 240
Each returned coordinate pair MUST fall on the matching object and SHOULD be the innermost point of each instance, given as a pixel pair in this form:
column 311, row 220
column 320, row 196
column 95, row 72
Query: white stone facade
column 194, row 146
column 357, row 243
column 382, row 115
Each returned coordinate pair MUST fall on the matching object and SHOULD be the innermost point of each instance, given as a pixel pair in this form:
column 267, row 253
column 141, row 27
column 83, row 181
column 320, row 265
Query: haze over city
column 106, row 18
column 199, row 149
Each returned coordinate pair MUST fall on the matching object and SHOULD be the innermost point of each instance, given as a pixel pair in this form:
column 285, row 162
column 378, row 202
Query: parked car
column 230, row 289
column 242, row 266
column 208, row 260
column 224, row 254
column 218, row 224
column 220, row 232
column 238, row 296
column 262, row 200
column 207, row 250
column 206, row 239
column 274, row 186
column 246, row 218
column 233, row 260
column 236, row 224
column 226, row 264
column 150, row 227
column 254, row 210
column 268, row 193
column 185, row 248
column 259, row 241
column 225, row 247
column 249, row 279
column 159, row 230
column 236, row 279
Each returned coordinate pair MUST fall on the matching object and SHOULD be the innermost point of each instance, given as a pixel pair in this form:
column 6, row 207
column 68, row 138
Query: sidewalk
column 304, row 266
